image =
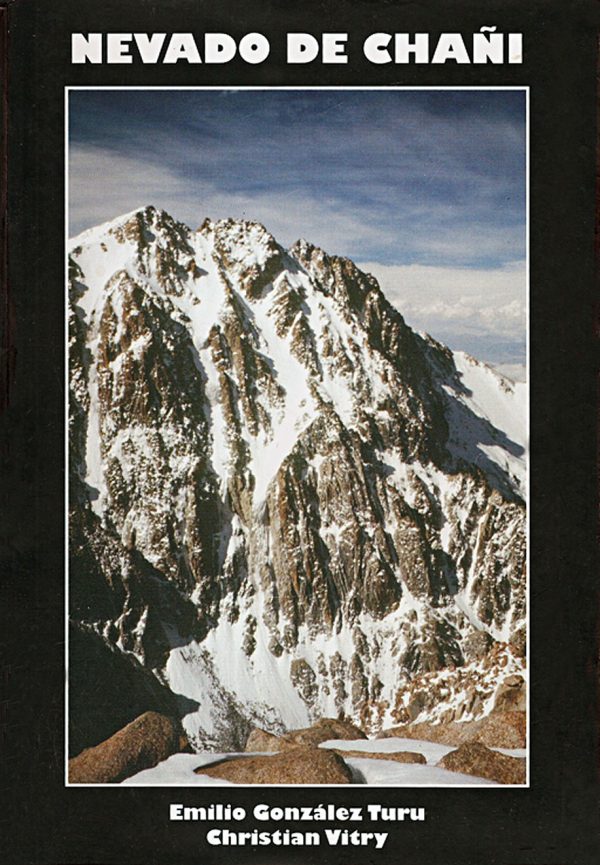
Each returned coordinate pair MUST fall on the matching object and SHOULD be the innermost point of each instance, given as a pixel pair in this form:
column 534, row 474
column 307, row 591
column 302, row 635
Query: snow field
column 178, row 770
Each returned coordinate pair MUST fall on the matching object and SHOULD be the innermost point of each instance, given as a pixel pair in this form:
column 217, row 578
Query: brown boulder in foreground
column 473, row 758
column 295, row 766
column 396, row 756
column 143, row 743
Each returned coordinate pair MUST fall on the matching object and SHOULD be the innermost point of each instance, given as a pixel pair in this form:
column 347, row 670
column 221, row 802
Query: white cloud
column 480, row 310
column 103, row 185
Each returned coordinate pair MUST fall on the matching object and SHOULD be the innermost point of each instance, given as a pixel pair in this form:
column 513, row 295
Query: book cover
column 298, row 419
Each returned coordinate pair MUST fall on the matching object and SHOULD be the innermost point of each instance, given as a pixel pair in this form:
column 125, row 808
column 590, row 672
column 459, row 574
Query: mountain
column 283, row 501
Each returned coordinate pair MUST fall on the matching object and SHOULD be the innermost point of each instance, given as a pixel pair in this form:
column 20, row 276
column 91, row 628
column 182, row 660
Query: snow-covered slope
column 283, row 500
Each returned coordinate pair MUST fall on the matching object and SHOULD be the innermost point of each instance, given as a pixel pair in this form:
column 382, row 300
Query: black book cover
column 75, row 91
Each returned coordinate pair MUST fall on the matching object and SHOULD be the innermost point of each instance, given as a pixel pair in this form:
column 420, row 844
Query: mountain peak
column 265, row 456
column 146, row 216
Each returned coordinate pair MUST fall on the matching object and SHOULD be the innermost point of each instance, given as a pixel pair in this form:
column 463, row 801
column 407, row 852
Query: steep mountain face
column 283, row 500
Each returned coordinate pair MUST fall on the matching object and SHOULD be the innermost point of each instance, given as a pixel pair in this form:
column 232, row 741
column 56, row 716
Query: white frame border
column 526, row 90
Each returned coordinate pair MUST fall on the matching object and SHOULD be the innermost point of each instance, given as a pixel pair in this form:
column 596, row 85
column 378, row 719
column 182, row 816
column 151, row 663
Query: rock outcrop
column 321, row 731
column 473, row 758
column 140, row 745
column 511, row 695
column 260, row 740
column 498, row 730
column 395, row 756
column 109, row 689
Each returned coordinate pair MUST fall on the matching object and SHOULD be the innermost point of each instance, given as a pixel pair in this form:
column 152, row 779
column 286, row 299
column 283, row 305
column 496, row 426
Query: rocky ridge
column 283, row 501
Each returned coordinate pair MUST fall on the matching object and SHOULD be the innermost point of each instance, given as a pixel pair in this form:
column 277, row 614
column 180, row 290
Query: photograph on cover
column 297, row 422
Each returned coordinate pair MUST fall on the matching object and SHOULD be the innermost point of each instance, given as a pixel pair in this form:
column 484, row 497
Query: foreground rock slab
column 142, row 744
column 294, row 766
column 473, row 758
column 396, row 756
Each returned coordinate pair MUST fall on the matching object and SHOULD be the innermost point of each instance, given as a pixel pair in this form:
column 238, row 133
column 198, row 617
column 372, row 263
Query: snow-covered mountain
column 283, row 501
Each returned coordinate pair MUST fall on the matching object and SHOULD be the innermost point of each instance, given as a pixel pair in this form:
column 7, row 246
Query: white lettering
column 488, row 47
column 175, row 812
column 86, row 49
column 404, row 48
column 301, row 48
column 375, row 48
column 515, row 47
column 450, row 47
column 334, row 47
column 182, row 46
column 254, row 48
column 219, row 48
column 117, row 48
column 149, row 45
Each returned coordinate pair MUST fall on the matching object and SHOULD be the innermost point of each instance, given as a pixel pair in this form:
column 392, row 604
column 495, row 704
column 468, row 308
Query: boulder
column 340, row 728
column 473, row 758
column 321, row 731
column 108, row 689
column 295, row 766
column 142, row 744
column 396, row 756
column 450, row 733
column 498, row 730
column 260, row 740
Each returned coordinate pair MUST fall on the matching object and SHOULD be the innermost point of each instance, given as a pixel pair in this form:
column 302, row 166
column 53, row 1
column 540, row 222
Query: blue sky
column 425, row 187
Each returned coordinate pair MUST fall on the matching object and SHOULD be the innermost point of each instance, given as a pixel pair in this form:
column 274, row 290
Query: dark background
column 555, row 822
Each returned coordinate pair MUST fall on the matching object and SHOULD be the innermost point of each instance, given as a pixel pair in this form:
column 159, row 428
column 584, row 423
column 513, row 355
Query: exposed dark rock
column 304, row 680
column 321, row 731
column 503, row 730
column 108, row 689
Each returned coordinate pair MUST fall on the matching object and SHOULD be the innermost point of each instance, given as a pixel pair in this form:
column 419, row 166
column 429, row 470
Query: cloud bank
column 481, row 311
